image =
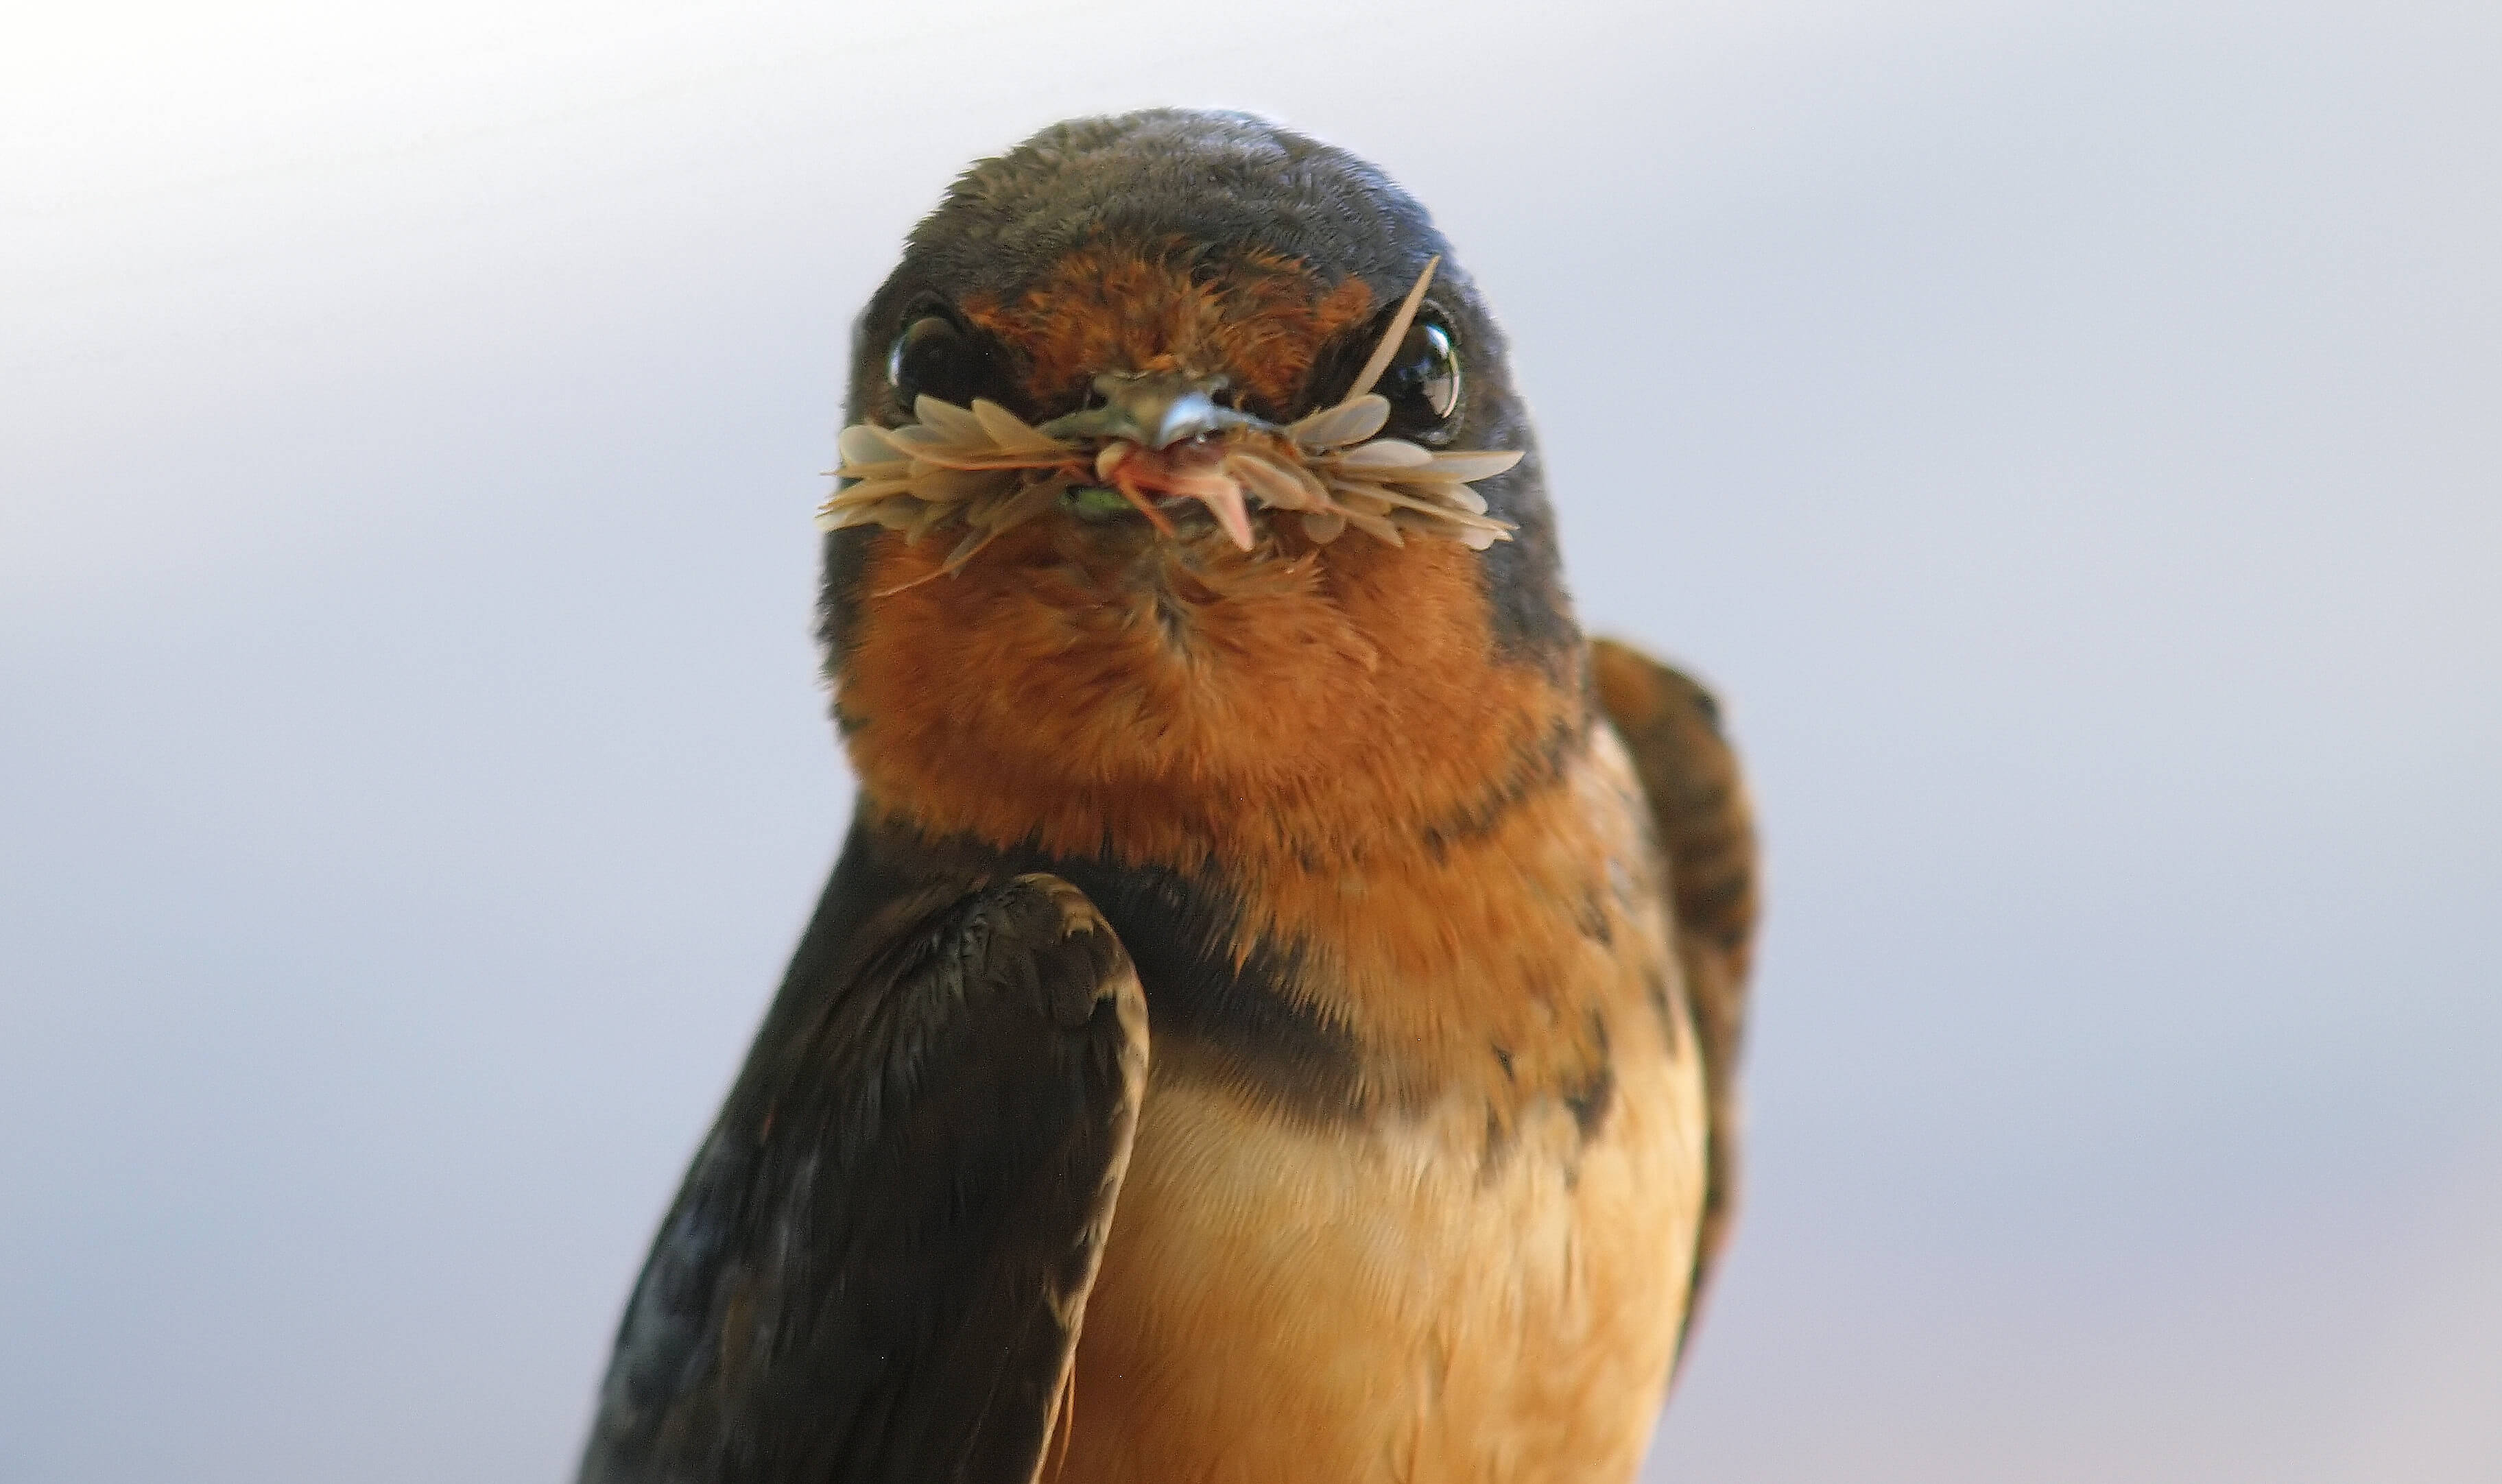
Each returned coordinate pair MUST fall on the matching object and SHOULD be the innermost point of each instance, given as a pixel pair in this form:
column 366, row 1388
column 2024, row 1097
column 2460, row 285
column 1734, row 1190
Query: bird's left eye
column 1423, row 381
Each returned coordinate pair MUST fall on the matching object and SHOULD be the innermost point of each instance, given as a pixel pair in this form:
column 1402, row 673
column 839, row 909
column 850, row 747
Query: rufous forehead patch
column 1258, row 318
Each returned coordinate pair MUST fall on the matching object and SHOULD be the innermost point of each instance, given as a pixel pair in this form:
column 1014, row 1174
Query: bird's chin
column 1174, row 522
column 1192, row 561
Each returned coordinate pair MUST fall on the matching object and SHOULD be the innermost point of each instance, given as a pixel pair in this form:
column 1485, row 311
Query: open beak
column 1145, row 476
column 1158, row 428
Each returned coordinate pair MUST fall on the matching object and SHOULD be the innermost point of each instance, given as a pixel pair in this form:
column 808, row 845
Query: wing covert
column 877, row 1266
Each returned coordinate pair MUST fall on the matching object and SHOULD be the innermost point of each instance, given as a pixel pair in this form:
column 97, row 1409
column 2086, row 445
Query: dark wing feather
column 1706, row 825
column 877, row 1266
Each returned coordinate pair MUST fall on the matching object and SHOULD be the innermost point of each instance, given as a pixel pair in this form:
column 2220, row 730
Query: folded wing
column 1699, row 809
column 877, row 1266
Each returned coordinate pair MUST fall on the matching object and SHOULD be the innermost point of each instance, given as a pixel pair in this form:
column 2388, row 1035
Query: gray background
column 2068, row 434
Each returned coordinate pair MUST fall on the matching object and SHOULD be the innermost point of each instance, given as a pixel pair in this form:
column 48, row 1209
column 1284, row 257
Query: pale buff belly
column 1383, row 1301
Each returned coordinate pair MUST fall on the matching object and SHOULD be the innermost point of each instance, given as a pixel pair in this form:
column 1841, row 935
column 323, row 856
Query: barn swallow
column 1273, row 1017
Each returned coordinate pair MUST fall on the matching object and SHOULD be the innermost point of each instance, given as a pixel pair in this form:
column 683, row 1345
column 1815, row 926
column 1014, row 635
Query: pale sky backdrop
column 2070, row 434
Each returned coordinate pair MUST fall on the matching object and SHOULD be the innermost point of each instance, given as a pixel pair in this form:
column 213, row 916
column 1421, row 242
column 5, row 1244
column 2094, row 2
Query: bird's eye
column 1423, row 381
column 936, row 355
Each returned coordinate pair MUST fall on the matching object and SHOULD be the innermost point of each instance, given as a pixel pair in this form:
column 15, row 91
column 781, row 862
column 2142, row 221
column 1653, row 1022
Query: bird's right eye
column 936, row 355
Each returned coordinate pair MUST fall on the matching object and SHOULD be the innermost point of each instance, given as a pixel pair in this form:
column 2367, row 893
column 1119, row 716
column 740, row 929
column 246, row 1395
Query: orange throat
column 1161, row 699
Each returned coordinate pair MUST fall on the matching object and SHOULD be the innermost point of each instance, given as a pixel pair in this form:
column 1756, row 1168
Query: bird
column 1274, row 1014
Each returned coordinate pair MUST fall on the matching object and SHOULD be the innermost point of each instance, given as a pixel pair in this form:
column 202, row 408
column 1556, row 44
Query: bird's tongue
column 1147, row 477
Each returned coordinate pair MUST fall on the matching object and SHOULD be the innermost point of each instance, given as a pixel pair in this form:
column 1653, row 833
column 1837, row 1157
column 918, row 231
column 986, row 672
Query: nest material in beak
column 988, row 470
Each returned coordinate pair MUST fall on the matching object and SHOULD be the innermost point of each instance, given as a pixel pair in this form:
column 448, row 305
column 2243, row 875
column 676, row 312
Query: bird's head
column 1172, row 390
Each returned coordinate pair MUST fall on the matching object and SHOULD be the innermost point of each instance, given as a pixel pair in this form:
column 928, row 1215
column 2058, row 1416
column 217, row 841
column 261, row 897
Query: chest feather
column 1385, row 1302
column 1481, row 1278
